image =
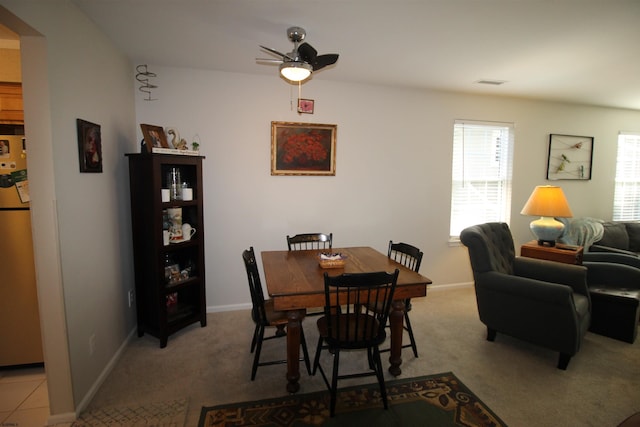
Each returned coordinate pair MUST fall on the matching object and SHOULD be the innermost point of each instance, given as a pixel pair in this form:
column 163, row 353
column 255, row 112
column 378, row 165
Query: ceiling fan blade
column 324, row 60
column 307, row 53
column 277, row 61
column 310, row 55
column 275, row 52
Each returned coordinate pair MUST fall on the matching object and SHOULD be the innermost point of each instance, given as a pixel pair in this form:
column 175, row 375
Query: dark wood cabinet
column 169, row 279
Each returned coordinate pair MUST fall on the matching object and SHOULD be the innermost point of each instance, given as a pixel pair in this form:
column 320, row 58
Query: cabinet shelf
column 179, row 203
column 171, row 247
column 172, row 287
column 163, row 309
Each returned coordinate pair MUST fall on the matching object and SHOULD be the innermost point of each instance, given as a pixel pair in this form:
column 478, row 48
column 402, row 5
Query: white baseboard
column 231, row 307
column 450, row 286
column 68, row 417
column 104, row 374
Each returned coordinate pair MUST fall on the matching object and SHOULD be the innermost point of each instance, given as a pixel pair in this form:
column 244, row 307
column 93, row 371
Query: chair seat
column 352, row 330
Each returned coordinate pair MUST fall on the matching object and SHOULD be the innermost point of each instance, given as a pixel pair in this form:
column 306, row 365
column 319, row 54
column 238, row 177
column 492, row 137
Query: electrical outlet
column 92, row 344
column 130, row 297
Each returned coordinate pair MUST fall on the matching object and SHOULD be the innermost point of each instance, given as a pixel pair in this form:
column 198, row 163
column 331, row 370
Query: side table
column 560, row 253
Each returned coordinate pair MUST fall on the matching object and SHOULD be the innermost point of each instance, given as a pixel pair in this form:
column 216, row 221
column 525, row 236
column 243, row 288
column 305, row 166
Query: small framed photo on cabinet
column 89, row 146
column 154, row 137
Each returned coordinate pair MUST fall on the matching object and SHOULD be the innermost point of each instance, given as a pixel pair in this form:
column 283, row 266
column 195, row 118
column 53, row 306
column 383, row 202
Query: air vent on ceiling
column 491, row 82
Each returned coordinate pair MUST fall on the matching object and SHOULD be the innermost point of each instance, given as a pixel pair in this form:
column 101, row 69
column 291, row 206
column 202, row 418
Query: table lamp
column 547, row 202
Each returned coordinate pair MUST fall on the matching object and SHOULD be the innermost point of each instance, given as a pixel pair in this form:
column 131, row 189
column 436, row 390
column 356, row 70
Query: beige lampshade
column 547, row 200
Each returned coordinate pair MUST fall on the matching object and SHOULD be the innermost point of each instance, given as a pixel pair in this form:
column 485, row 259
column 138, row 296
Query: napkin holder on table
column 332, row 260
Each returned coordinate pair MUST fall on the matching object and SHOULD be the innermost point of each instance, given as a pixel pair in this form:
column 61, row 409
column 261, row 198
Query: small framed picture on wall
column 305, row 106
column 89, row 146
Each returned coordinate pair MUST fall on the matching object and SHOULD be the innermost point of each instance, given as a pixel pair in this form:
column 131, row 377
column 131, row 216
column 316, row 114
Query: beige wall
column 80, row 221
column 394, row 149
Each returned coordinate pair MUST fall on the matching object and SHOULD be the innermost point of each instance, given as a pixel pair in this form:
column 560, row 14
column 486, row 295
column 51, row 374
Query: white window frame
column 481, row 177
column 626, row 199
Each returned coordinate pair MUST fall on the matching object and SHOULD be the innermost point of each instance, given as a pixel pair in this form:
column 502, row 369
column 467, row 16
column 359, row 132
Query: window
column 626, row 199
column 481, row 174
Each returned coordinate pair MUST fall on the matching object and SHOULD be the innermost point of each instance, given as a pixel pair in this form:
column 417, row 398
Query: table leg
column 395, row 319
column 293, row 350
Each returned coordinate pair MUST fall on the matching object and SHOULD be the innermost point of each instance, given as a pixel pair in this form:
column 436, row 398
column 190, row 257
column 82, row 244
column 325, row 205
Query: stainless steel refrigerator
column 20, row 336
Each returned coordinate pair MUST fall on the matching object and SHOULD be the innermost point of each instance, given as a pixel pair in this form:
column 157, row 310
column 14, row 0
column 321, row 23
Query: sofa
column 612, row 257
column 616, row 242
column 621, row 237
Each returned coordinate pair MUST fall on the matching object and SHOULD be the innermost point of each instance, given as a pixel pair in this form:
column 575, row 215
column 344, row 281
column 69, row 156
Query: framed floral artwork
column 303, row 148
column 570, row 157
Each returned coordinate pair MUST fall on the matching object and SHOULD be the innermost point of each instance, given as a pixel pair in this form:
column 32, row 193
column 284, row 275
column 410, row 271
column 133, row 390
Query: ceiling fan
column 298, row 64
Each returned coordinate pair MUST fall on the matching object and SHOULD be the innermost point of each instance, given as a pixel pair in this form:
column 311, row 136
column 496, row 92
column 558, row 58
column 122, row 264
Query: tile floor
column 24, row 401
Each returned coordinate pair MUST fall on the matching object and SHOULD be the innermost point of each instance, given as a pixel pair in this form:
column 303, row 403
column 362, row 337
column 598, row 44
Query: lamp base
column 547, row 230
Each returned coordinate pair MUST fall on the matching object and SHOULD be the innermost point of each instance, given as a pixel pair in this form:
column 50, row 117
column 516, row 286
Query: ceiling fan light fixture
column 295, row 71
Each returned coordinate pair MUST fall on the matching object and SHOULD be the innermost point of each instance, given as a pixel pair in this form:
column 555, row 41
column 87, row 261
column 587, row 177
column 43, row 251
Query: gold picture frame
column 303, row 149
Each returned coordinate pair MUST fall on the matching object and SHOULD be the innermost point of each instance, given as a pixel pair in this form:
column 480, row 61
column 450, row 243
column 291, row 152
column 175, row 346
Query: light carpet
column 158, row 414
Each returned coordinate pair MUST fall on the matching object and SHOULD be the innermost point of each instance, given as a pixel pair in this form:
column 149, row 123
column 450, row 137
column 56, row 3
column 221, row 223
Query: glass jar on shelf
column 175, row 184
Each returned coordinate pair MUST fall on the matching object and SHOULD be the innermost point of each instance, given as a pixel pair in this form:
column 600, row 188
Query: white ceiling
column 583, row 51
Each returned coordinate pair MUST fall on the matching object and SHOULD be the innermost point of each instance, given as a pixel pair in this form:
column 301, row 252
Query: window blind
column 481, row 173
column 626, row 199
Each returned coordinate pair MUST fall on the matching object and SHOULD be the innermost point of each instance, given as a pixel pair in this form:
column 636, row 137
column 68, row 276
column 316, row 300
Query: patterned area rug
column 436, row 400
column 161, row 414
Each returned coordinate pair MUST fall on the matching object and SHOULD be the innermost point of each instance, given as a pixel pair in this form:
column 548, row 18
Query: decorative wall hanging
column 89, row 146
column 570, row 157
column 303, row 148
column 142, row 76
column 305, row 106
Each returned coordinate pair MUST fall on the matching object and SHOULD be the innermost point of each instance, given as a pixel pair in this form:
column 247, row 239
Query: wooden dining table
column 295, row 282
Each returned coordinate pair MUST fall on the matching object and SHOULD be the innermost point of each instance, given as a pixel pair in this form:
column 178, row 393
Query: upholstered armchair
column 543, row 302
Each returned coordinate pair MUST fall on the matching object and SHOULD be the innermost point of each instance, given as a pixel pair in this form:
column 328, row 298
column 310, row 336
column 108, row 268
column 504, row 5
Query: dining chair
column 411, row 257
column 264, row 316
column 349, row 328
column 310, row 241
